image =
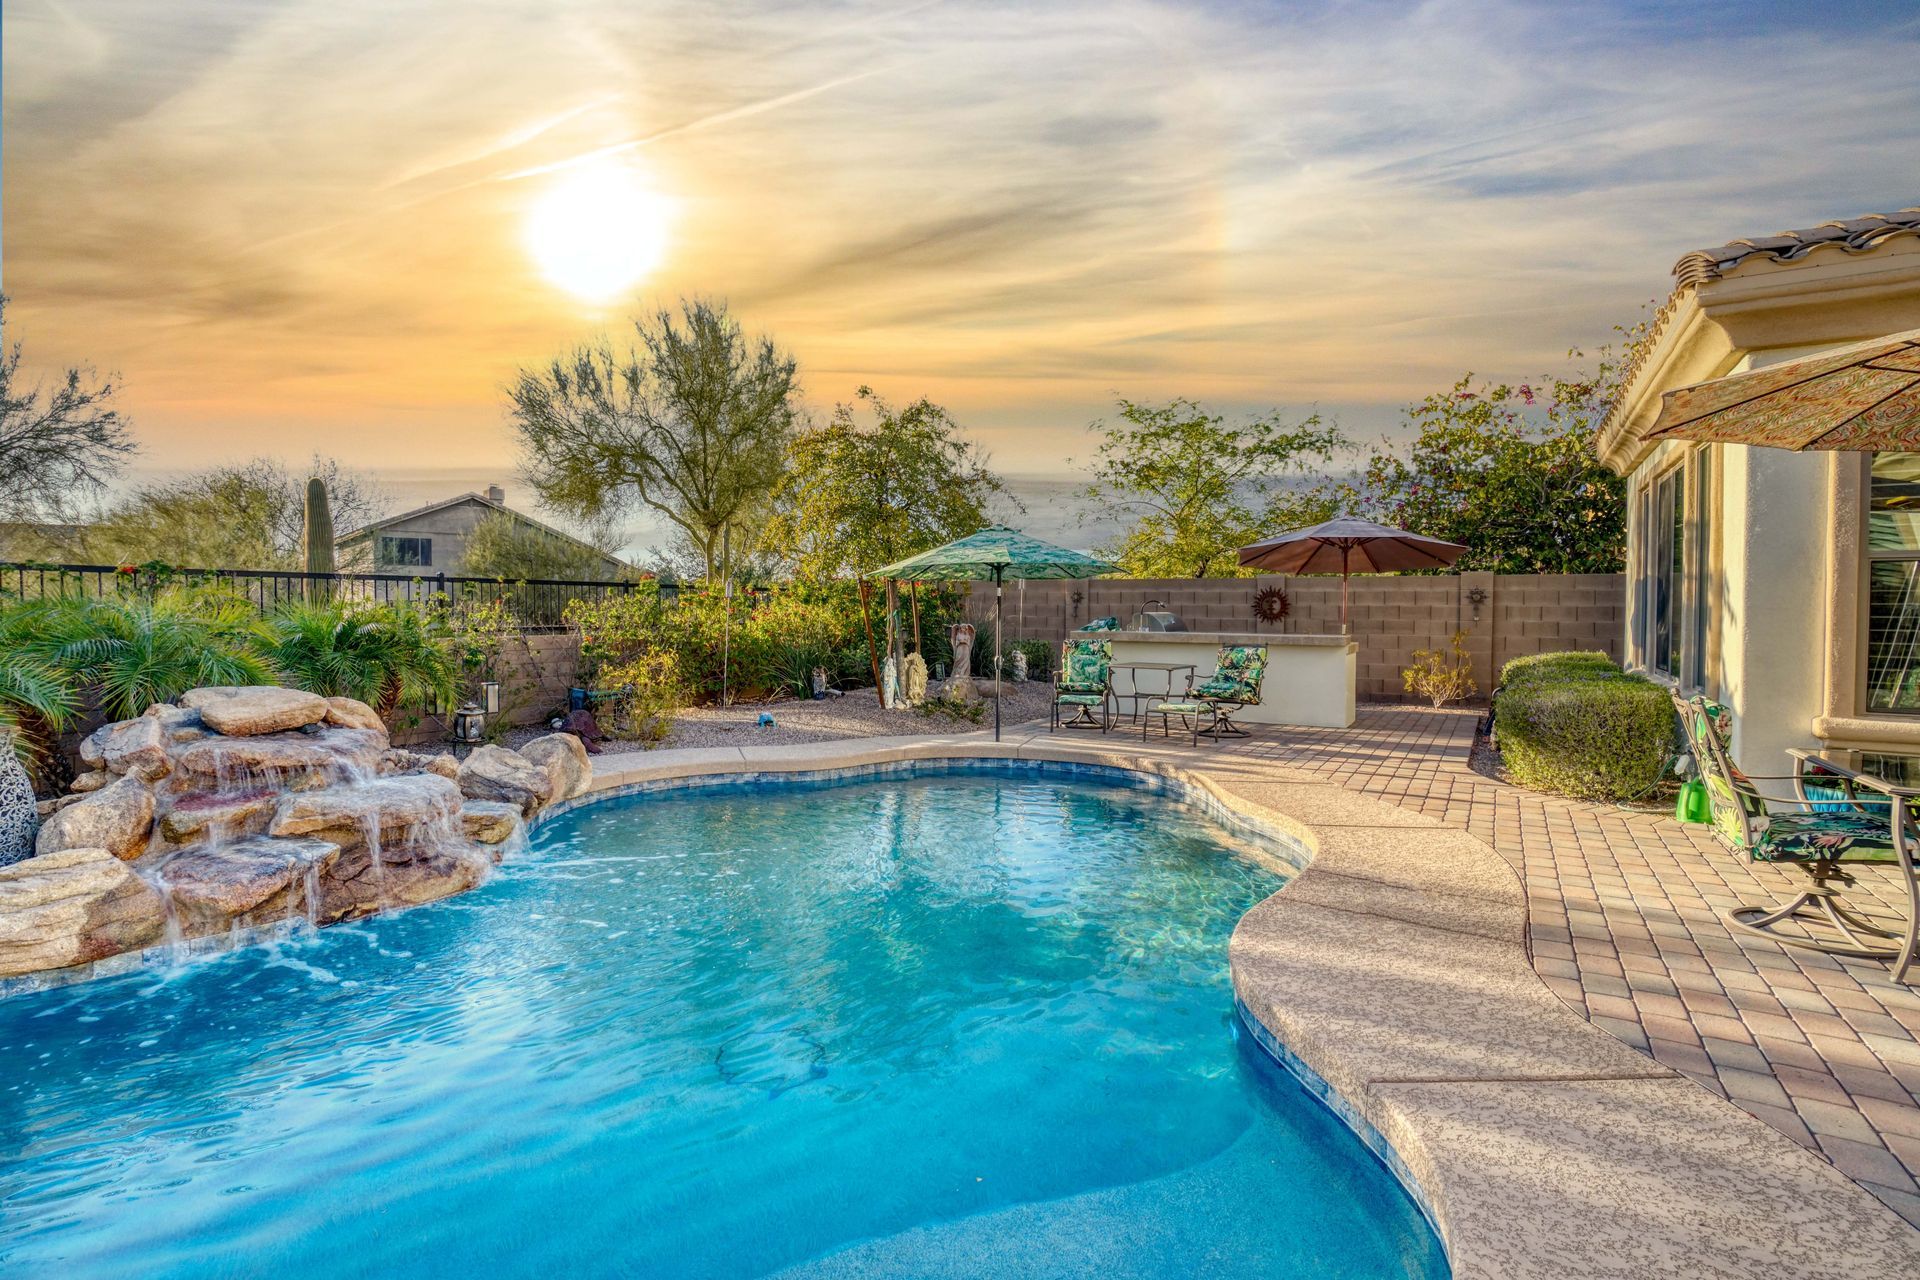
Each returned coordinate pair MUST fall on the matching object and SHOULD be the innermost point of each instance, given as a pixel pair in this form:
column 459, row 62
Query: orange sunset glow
column 343, row 225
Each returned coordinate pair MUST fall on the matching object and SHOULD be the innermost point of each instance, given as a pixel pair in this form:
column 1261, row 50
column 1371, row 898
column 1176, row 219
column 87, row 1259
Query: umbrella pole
column 997, row 592
column 1344, row 626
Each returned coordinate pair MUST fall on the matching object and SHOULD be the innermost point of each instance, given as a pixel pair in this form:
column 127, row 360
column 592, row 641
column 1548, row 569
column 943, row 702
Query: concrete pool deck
column 1397, row 969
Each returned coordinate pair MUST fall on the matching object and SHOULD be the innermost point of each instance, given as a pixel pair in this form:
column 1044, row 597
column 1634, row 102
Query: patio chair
column 1235, row 684
column 1197, row 716
column 1819, row 833
column 1084, row 681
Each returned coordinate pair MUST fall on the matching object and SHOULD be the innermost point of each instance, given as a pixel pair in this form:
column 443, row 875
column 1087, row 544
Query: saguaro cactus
column 316, row 541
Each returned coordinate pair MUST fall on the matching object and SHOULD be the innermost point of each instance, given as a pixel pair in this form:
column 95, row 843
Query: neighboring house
column 432, row 540
column 1786, row 585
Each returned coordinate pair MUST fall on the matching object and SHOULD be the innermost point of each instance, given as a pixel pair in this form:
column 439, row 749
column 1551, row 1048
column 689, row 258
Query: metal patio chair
column 1235, row 684
column 1084, row 681
column 1824, row 825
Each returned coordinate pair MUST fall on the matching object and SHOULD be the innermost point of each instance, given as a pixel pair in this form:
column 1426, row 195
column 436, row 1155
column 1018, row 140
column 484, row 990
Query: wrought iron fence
column 535, row 603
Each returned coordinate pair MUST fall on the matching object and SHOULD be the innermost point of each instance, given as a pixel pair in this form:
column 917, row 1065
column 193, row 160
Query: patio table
column 1135, row 692
column 1848, row 771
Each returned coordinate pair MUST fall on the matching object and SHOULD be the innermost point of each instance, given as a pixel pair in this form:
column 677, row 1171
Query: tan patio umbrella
column 1349, row 545
column 1864, row 396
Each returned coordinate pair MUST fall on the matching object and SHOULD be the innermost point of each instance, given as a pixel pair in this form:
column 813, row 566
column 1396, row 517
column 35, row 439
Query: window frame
column 385, row 541
column 1863, row 619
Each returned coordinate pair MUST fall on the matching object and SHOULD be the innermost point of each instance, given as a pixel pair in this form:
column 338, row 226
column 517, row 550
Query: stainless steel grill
column 1156, row 619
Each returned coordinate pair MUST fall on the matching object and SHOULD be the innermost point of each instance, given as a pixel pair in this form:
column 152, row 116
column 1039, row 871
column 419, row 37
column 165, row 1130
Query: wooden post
column 913, row 594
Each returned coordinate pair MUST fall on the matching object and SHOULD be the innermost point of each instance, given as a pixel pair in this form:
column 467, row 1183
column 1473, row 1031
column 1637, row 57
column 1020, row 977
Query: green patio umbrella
column 994, row 555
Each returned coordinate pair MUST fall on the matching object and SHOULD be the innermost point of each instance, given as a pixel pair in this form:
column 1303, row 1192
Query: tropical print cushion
column 1103, row 624
column 1236, row 675
column 1085, row 666
column 1082, row 699
column 1803, row 837
column 1736, row 810
column 1178, row 708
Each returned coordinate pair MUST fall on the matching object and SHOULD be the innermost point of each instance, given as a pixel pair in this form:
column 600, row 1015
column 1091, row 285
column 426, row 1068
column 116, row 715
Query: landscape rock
column 296, row 760
column 564, row 757
column 92, row 754
column 136, row 746
column 357, row 885
column 443, row 766
column 118, row 819
column 249, row 710
column 73, row 906
column 489, row 821
column 178, row 723
column 229, row 816
column 351, row 713
column 495, row 773
column 250, row 882
column 92, row 780
column 347, row 814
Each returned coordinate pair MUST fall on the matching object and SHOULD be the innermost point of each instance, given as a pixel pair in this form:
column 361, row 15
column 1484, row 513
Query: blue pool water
column 955, row 1024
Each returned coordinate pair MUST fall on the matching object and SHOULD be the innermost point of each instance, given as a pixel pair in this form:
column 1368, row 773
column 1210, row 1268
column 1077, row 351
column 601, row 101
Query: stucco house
column 1786, row 585
column 432, row 540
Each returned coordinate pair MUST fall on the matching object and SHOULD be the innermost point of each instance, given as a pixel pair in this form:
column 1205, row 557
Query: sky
column 341, row 225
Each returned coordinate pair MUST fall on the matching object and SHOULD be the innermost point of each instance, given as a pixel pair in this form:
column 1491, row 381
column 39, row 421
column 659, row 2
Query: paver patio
column 1624, row 924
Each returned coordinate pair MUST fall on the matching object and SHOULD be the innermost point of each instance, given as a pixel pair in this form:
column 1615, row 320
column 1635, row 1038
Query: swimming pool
column 950, row 1023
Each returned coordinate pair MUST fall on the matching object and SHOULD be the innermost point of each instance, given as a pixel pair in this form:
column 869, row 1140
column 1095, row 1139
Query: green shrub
column 1576, row 725
column 389, row 656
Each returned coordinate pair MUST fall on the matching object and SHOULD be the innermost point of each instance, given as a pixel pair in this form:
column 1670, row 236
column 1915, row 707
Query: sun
column 598, row 231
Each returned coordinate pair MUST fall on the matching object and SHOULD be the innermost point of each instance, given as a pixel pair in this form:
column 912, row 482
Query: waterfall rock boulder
column 136, row 746
column 351, row 713
column 358, row 884
column 249, row 882
column 564, row 757
column 177, row 723
column 117, row 818
column 248, row 710
column 297, row 760
column 92, row 780
column 489, row 821
column 67, row 908
column 348, row 814
column 495, row 773
column 225, row 815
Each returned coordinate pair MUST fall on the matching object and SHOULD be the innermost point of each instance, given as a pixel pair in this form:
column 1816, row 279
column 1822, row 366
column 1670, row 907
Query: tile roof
column 1854, row 235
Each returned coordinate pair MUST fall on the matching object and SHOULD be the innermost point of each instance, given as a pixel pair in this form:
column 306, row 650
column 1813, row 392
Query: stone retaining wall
column 1392, row 616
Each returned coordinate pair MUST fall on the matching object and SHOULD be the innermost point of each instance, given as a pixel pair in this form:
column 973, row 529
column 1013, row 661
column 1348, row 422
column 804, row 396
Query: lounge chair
column 1826, row 823
column 1083, row 682
column 1235, row 684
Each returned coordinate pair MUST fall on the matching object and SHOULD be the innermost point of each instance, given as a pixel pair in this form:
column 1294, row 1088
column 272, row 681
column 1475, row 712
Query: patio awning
column 1864, row 396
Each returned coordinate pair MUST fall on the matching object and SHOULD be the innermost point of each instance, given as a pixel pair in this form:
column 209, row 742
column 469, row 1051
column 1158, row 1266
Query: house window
column 1670, row 572
column 1893, row 584
column 400, row 553
column 1664, row 550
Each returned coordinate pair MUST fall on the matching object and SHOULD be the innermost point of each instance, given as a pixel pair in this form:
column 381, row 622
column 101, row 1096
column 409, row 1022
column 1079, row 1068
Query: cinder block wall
column 1392, row 616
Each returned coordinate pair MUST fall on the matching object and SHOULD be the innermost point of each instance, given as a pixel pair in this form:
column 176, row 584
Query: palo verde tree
column 862, row 494
column 1199, row 487
column 690, row 421
column 58, row 444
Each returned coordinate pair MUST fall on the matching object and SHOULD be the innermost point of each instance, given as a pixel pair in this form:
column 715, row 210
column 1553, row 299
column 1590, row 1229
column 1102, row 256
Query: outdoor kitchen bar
column 1309, row 681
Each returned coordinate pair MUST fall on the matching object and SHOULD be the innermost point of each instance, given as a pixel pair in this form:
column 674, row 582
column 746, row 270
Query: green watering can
column 1692, row 804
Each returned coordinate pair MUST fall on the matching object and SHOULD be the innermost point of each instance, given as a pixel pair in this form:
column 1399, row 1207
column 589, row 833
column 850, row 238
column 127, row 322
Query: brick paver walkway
column 1624, row 923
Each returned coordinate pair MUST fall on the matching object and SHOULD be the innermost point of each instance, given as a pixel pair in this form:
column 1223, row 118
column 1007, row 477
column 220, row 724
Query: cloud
column 305, row 217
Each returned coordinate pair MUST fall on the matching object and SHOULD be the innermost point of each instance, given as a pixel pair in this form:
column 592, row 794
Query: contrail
column 719, row 117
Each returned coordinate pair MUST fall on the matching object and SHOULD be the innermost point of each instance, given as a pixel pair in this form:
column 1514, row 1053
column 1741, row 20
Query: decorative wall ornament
column 1270, row 604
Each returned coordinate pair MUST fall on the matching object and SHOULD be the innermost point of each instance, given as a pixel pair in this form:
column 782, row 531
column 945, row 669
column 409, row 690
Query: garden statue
column 19, row 819
column 889, row 684
column 913, row 680
column 1019, row 666
column 960, row 634
column 819, row 683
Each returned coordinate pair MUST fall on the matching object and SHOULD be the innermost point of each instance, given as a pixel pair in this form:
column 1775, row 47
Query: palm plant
column 383, row 655
column 134, row 651
column 37, row 699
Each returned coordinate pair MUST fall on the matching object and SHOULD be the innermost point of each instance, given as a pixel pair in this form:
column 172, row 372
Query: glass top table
column 1135, row 693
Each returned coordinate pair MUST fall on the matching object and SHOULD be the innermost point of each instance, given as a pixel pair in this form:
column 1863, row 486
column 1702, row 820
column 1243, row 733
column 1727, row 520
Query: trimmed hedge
column 1577, row 725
